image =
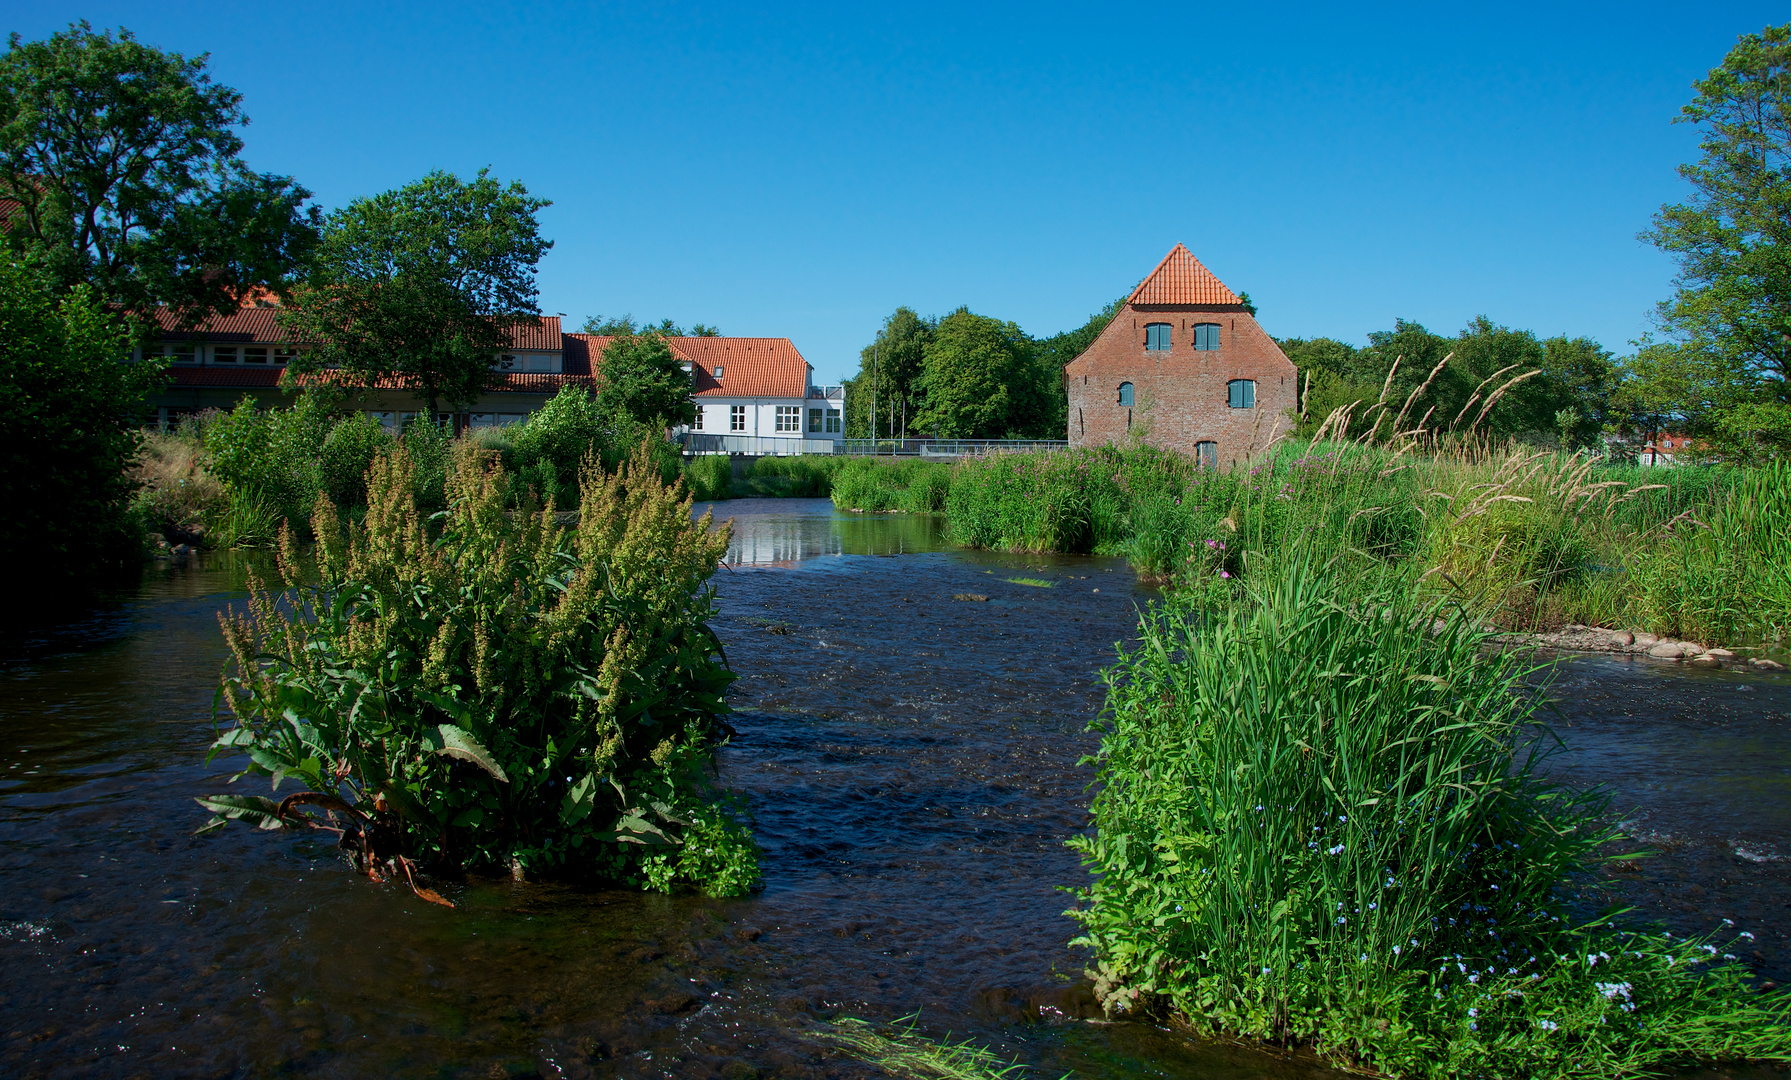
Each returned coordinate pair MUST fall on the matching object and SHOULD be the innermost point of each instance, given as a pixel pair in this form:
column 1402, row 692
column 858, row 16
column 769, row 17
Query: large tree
column 119, row 168
column 1732, row 238
column 427, row 284
column 889, row 376
column 1047, row 417
column 977, row 379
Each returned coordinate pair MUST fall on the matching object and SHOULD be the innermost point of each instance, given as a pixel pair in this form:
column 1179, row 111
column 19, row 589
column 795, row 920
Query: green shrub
column 176, row 497
column 348, row 452
column 270, row 457
column 881, row 484
column 1316, row 825
column 710, row 477
column 552, row 444
column 431, row 451
column 800, row 476
column 506, row 694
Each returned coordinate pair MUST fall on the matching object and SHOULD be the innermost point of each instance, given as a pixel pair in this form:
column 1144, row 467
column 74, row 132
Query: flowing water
column 910, row 761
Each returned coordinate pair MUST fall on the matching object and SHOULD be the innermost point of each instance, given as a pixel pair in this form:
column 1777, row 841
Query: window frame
column 1207, row 337
column 1240, row 394
column 1206, row 452
column 1159, row 337
column 1128, row 395
column 786, row 420
column 736, row 418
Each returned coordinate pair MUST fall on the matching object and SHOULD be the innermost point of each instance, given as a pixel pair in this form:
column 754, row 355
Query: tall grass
column 1319, row 823
column 881, row 484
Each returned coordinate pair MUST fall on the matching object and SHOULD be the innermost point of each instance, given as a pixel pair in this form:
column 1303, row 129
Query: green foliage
column 625, row 326
column 508, row 693
column 551, row 445
column 271, row 458
column 900, row 1050
column 1315, row 824
column 70, row 411
column 176, row 497
column 877, row 485
column 122, row 162
column 710, row 477
column 1730, row 239
column 889, row 376
column 347, row 453
column 976, row 381
column 644, row 383
column 426, row 284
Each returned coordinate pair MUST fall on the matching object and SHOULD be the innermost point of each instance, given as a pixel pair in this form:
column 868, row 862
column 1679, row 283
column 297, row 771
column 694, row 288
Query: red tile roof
column 512, row 382
column 751, row 367
column 1180, row 279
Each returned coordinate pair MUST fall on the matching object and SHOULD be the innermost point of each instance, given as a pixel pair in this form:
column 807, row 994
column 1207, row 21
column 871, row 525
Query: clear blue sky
column 800, row 171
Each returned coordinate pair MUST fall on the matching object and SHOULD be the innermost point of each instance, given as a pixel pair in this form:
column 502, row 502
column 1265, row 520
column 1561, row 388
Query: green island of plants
column 484, row 689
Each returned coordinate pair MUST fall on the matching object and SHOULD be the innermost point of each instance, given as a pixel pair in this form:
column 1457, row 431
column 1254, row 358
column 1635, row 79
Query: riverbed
column 910, row 761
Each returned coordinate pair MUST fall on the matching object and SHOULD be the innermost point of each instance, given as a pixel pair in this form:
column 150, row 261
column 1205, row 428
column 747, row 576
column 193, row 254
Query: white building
column 757, row 396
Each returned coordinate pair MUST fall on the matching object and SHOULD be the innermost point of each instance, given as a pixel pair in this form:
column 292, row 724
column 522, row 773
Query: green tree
column 1733, row 242
column 977, row 379
column 1050, row 413
column 426, row 284
column 625, row 326
column 70, row 411
column 121, row 162
column 645, row 383
column 889, row 375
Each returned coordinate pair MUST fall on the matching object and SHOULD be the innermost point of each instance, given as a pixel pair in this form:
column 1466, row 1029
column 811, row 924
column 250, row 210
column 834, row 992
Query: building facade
column 1182, row 366
column 755, row 387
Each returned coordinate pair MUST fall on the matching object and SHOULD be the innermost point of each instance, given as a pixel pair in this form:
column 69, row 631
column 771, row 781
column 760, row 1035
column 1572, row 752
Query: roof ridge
column 1180, row 278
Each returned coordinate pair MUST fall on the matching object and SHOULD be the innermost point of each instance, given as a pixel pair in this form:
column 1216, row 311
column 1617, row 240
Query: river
column 910, row 762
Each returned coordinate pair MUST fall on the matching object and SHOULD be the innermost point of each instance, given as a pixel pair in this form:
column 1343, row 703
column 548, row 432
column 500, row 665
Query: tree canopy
column 976, row 379
column 428, row 283
column 1732, row 237
column 119, row 168
column 625, row 326
column 644, row 383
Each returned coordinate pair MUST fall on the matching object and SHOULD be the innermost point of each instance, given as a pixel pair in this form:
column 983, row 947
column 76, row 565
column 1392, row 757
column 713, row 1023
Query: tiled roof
column 1180, row 279
column 751, row 367
column 260, row 324
column 512, row 382
column 226, row 376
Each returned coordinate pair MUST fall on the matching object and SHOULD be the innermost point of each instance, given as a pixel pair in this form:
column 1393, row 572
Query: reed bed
column 1320, row 822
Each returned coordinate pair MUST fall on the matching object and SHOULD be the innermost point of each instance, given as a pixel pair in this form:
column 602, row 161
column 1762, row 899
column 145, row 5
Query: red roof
column 511, row 382
column 751, row 367
column 260, row 324
column 1180, row 279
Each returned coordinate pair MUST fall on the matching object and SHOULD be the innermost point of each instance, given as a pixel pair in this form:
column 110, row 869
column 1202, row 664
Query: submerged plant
column 1321, row 821
column 496, row 691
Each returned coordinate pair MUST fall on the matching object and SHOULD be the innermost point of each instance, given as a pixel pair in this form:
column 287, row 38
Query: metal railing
column 757, row 445
column 942, row 447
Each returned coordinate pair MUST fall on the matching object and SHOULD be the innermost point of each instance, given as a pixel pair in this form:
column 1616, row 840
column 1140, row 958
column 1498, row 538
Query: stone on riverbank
column 1766, row 665
column 1668, row 650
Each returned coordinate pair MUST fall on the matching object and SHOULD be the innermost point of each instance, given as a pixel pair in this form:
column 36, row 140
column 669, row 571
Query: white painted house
column 758, row 396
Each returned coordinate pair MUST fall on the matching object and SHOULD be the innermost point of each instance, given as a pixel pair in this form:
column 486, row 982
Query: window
column 1242, row 393
column 717, row 372
column 387, row 421
column 833, row 421
column 181, row 352
column 223, row 354
column 736, row 418
column 698, row 426
column 285, row 355
column 255, row 354
column 537, row 362
column 1206, row 337
column 1207, row 453
column 1125, row 394
column 789, row 418
column 1156, row 337
column 814, row 420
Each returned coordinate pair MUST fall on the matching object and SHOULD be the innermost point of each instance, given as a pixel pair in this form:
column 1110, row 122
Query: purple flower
column 1224, row 573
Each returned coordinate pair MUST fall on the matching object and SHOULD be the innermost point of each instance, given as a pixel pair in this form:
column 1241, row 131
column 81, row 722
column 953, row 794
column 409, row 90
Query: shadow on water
column 910, row 762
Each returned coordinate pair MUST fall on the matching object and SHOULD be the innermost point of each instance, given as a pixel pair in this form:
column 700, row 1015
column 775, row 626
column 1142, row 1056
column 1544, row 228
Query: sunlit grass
column 902, row 1051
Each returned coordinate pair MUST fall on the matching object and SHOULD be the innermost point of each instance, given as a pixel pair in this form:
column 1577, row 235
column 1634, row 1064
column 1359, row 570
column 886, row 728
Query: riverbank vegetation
column 1320, row 821
column 1528, row 539
column 486, row 689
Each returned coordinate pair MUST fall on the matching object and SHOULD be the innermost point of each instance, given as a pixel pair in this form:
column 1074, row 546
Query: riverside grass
column 1530, row 539
column 1320, row 821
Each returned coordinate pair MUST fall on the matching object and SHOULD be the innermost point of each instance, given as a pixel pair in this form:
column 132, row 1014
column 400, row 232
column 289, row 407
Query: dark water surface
column 910, row 761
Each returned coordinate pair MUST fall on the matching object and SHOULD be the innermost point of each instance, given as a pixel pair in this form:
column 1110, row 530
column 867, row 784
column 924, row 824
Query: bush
column 508, row 694
column 710, row 477
column 348, row 452
column 269, row 458
column 880, row 484
column 1315, row 825
column 551, row 445
column 176, row 497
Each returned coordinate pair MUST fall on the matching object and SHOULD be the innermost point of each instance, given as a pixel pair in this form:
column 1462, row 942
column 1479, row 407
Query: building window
column 736, row 418
column 223, row 354
column 1125, row 394
column 717, row 372
column 285, row 356
column 699, row 418
column 814, row 420
column 182, row 352
column 833, row 421
column 1207, row 453
column 1156, row 337
column 1242, row 393
column 255, row 355
column 1206, row 337
column 789, row 418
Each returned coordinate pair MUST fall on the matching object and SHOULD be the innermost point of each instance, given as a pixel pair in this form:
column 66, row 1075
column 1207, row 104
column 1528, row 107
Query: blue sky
column 799, row 171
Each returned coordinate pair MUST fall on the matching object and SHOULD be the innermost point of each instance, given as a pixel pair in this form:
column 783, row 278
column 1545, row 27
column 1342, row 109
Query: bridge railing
column 942, row 447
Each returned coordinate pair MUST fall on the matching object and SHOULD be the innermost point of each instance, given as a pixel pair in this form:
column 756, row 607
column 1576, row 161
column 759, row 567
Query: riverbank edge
column 1596, row 639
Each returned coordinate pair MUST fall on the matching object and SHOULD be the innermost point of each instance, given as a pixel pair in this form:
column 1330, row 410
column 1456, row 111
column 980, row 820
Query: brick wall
column 1180, row 397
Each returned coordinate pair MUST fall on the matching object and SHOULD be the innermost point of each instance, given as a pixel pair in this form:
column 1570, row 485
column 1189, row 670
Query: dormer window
column 717, row 372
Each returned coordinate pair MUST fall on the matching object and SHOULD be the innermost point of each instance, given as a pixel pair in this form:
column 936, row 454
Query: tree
column 644, row 383
column 888, row 376
column 625, row 326
column 1733, row 242
column 1047, row 417
column 426, row 284
column 119, row 167
column 976, row 378
column 70, row 411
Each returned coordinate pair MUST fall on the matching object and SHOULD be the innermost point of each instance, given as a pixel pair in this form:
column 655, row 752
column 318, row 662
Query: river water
column 910, row 761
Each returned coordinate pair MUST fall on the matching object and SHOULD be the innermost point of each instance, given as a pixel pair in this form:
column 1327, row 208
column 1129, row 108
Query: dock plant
column 1321, row 821
column 485, row 689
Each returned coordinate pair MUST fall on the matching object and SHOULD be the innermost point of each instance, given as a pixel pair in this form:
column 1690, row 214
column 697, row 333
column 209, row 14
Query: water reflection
column 784, row 532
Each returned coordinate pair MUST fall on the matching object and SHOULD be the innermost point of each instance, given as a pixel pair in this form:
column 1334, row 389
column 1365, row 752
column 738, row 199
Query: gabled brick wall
column 1180, row 395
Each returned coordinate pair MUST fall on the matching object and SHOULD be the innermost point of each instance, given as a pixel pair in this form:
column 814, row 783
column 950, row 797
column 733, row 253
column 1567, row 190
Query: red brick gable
column 1180, row 279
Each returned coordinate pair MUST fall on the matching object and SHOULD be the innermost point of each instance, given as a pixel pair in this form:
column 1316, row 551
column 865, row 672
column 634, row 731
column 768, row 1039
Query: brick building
column 1183, row 366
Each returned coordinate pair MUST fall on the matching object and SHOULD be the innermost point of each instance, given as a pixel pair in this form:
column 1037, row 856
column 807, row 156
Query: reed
column 1321, row 821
